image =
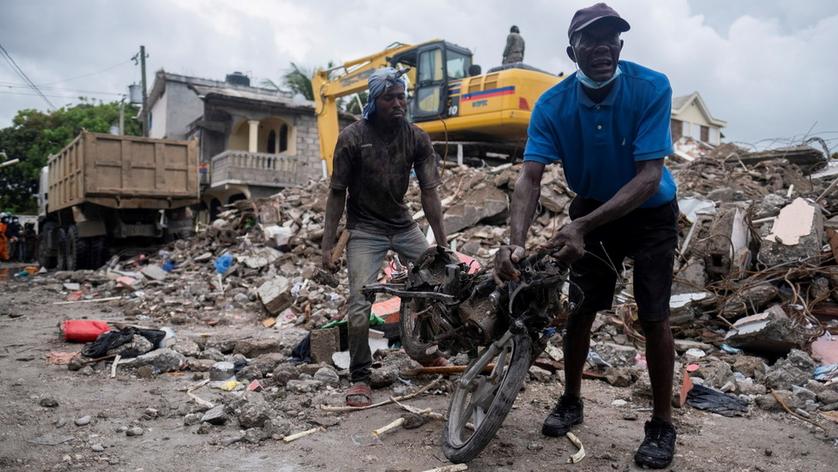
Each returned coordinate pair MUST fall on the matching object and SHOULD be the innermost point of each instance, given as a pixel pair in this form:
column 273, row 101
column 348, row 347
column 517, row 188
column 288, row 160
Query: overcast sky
column 767, row 67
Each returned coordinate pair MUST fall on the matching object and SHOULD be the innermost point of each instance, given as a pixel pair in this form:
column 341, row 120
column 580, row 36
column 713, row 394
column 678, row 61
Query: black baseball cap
column 588, row 16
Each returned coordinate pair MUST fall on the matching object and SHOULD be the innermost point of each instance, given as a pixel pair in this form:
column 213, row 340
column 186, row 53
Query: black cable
column 19, row 72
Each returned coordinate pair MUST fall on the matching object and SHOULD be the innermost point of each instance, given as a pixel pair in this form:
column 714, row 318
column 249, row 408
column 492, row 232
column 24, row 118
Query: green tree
column 298, row 79
column 35, row 135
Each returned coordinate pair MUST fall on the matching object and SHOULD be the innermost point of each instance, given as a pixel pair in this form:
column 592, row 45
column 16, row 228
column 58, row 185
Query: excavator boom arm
column 346, row 79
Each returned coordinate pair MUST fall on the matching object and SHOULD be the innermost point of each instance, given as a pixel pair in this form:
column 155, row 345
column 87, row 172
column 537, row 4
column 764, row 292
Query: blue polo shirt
column 599, row 143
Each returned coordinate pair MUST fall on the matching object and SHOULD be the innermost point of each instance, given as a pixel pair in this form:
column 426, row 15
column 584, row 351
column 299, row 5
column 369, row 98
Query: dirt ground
column 28, row 332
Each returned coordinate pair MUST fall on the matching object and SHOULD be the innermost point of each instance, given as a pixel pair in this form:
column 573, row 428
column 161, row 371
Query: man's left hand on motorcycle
column 568, row 243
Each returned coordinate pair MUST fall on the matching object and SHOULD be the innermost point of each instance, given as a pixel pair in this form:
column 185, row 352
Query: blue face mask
column 593, row 84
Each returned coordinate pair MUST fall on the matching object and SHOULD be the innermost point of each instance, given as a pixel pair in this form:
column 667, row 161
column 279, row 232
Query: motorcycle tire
column 458, row 450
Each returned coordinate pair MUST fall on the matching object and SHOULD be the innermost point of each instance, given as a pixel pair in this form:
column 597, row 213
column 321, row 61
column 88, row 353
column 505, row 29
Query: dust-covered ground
column 35, row 437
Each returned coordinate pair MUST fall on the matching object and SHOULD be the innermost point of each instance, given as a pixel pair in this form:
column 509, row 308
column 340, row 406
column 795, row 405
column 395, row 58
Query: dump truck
column 101, row 190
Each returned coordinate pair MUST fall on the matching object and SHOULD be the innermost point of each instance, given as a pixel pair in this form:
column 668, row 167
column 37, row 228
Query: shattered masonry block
column 727, row 247
column 771, row 331
column 154, row 272
column 797, row 233
column 275, row 295
column 481, row 204
column 324, row 343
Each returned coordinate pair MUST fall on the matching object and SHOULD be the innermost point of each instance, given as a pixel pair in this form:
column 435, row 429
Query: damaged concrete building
column 253, row 141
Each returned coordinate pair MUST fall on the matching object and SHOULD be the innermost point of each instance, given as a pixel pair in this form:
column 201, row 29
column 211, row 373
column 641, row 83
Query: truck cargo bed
column 123, row 172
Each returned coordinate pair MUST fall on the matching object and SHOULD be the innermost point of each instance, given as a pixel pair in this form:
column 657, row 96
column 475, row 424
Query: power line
column 87, row 75
column 61, row 89
column 4, row 92
column 23, row 75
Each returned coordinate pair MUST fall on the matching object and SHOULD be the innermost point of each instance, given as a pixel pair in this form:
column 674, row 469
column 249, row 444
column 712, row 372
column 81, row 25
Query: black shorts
column 647, row 235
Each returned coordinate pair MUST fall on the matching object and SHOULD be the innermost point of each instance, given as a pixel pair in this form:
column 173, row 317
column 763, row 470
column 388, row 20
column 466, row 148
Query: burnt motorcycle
column 446, row 310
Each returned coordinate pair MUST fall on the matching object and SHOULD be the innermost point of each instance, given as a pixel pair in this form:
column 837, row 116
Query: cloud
column 758, row 64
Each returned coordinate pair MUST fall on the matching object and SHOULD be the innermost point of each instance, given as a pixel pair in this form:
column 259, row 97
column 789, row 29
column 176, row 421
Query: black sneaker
column 657, row 449
column 567, row 412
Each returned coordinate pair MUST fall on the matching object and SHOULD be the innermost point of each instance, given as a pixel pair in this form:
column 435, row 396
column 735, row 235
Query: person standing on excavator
column 610, row 129
column 514, row 50
column 373, row 161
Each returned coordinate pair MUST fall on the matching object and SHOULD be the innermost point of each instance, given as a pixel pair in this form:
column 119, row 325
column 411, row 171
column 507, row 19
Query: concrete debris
column 746, row 223
column 275, row 295
column 771, row 331
column 215, row 416
column 796, row 233
column 154, row 272
column 484, row 203
column 160, row 360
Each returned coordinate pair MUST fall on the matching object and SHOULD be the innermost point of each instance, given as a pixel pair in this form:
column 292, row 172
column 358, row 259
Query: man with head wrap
column 373, row 161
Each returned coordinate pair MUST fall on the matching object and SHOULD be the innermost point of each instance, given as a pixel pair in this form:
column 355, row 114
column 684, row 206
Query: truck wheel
column 76, row 249
column 46, row 252
column 61, row 249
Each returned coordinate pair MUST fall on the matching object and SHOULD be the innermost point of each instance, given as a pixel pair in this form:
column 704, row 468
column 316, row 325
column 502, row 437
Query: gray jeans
column 364, row 255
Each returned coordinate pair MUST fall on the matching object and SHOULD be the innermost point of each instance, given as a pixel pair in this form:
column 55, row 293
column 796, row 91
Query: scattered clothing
column 715, row 401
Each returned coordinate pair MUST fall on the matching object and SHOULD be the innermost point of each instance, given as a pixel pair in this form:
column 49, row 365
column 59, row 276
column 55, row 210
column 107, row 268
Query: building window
column 283, row 138
column 676, row 127
column 705, row 134
column 271, row 142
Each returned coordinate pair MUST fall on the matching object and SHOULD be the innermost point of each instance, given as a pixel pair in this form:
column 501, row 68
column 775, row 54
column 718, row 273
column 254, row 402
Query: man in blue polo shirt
column 608, row 125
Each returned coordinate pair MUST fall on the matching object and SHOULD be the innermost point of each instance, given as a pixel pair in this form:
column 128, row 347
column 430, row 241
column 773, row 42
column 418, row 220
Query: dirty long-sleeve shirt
column 514, row 50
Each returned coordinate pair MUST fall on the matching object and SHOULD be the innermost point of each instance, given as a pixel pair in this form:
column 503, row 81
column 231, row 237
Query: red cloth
column 84, row 331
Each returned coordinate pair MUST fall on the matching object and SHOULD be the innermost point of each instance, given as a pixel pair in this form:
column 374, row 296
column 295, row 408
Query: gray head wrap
column 378, row 83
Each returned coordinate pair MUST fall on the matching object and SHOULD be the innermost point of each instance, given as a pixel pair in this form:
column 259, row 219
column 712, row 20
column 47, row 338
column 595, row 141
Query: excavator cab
column 438, row 67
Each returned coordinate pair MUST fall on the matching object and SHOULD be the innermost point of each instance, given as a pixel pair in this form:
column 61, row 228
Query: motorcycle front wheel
column 482, row 398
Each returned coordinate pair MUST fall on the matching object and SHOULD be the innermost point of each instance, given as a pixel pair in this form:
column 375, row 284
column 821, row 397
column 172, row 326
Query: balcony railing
column 255, row 168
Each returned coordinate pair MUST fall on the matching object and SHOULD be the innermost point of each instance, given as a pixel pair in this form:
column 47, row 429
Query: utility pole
column 145, row 94
column 145, row 115
column 122, row 116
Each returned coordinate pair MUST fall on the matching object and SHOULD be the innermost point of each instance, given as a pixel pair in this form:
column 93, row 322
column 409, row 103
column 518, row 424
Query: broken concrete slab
column 222, row 371
column 749, row 299
column 796, row 369
column 726, row 249
column 256, row 347
column 486, row 202
column 324, row 343
column 771, row 331
column 279, row 236
column 216, row 416
column 275, row 295
column 797, row 233
column 154, row 272
column 259, row 257
column 161, row 360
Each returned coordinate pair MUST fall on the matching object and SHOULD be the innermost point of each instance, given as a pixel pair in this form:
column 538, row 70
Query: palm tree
column 298, row 79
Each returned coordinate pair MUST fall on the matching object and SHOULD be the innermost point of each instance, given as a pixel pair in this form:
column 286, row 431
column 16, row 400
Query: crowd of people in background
column 18, row 243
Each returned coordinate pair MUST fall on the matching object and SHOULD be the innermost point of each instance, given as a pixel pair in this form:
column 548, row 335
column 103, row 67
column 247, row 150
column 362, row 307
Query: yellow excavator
column 449, row 97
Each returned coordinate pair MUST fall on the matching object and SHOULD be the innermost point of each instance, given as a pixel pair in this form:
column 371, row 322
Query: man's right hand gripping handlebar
column 506, row 262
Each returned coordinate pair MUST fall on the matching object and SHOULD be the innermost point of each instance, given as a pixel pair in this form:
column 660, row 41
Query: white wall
column 158, row 118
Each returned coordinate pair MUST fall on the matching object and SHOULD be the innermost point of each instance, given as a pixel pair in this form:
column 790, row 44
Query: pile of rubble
column 754, row 304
